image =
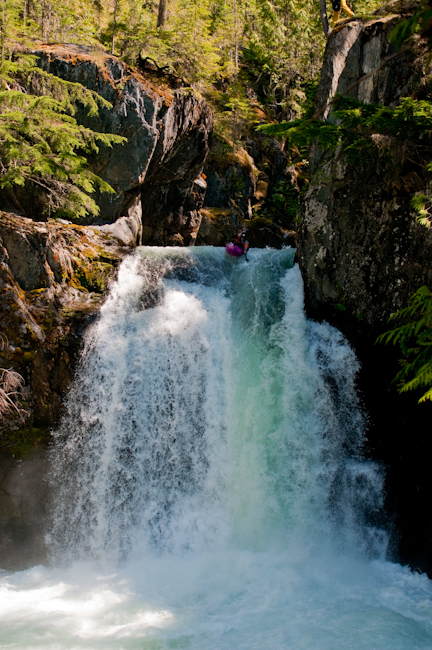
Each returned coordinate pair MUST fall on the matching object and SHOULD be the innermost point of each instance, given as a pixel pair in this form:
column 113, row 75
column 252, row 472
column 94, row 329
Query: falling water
column 210, row 490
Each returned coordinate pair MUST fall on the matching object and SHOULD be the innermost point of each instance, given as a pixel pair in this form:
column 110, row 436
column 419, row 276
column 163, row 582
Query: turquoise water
column 210, row 488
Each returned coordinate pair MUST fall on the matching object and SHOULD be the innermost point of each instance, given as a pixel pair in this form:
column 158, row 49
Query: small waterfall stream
column 210, row 490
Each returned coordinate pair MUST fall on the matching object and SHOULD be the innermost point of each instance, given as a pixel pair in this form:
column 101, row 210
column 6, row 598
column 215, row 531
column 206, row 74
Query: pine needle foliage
column 414, row 336
column 406, row 132
column 40, row 144
column 351, row 121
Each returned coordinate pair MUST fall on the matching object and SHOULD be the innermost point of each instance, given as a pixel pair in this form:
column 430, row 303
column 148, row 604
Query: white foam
column 211, row 488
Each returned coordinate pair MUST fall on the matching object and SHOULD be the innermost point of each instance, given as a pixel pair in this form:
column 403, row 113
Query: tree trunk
column 324, row 19
column 161, row 13
column 114, row 26
column 235, row 36
column 46, row 21
column 3, row 31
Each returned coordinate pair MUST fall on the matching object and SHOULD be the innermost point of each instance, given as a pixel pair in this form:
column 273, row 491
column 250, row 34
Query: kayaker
column 238, row 240
column 239, row 246
column 244, row 245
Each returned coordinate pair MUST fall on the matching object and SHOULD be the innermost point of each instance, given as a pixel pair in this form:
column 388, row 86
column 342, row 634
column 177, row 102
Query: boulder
column 167, row 133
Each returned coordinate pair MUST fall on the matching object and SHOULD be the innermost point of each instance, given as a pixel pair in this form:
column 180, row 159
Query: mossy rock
column 21, row 443
column 94, row 277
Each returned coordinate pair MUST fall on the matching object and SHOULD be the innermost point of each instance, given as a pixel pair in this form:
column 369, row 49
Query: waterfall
column 208, row 479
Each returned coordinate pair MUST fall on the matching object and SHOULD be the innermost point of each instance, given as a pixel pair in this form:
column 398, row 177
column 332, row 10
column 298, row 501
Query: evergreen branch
column 281, row 129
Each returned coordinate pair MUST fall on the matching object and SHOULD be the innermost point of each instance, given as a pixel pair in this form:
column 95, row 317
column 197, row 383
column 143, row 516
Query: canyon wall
column 156, row 173
column 363, row 253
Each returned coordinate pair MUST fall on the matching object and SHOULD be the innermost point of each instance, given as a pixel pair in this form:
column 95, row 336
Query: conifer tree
column 41, row 144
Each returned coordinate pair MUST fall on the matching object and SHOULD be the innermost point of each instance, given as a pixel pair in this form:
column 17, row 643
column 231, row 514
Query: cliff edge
column 362, row 254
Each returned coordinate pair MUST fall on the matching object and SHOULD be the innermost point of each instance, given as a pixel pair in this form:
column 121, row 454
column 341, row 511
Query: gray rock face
column 357, row 48
column 361, row 249
column 362, row 254
column 167, row 133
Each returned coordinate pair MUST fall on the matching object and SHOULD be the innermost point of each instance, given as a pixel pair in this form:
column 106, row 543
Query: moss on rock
column 53, row 277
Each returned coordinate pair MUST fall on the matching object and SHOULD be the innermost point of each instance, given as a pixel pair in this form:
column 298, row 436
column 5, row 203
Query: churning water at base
column 210, row 489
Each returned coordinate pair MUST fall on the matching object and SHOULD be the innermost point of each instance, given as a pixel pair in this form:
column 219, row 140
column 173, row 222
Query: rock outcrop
column 359, row 47
column 362, row 254
column 53, row 277
column 167, row 131
column 361, row 248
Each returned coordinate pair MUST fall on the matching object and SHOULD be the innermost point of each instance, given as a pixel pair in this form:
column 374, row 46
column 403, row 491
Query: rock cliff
column 52, row 280
column 167, row 131
column 361, row 248
column 362, row 253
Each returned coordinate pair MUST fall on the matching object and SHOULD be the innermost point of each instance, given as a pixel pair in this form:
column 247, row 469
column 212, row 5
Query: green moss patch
column 95, row 276
column 21, row 443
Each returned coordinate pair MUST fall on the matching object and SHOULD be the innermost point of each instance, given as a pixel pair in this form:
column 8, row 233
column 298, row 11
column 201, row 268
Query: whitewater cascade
column 210, row 490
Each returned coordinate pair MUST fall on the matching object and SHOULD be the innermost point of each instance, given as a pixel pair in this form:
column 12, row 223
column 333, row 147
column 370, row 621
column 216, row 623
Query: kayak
column 233, row 250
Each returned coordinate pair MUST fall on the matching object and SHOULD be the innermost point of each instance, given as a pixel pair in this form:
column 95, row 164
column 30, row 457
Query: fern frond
column 415, row 339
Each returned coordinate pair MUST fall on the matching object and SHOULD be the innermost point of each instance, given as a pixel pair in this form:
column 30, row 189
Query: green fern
column 414, row 336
